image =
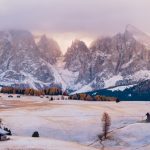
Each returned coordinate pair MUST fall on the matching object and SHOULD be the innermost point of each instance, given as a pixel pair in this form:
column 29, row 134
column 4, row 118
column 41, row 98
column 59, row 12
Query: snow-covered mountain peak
column 110, row 61
column 49, row 49
column 132, row 29
column 139, row 35
column 78, row 46
column 76, row 55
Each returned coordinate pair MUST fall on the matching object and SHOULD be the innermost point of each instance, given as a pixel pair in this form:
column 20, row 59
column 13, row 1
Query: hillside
column 73, row 124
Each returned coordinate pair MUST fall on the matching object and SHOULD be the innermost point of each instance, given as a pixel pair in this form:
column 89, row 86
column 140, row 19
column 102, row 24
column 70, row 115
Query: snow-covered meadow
column 73, row 125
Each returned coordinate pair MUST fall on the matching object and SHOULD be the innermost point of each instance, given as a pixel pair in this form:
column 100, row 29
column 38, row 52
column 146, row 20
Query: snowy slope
column 66, row 78
column 134, row 136
column 28, row 143
column 120, row 88
column 75, row 122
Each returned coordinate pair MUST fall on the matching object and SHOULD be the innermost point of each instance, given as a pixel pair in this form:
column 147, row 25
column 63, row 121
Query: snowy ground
column 25, row 143
column 73, row 124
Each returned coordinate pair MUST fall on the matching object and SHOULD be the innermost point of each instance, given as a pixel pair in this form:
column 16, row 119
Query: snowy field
column 73, row 125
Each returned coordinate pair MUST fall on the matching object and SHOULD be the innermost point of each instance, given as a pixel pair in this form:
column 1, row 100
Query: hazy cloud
column 90, row 16
column 83, row 17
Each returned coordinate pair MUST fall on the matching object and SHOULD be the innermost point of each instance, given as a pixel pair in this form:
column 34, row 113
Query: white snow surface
column 28, row 143
column 65, row 77
column 112, row 81
column 85, row 88
column 121, row 88
column 142, row 74
column 73, row 124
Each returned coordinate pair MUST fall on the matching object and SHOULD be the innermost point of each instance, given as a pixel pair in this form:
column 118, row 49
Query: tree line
column 33, row 92
column 87, row 97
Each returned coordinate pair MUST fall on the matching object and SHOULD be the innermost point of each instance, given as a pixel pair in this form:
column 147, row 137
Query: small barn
column 3, row 135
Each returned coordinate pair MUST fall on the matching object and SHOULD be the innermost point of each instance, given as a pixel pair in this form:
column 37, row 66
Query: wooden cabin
column 3, row 135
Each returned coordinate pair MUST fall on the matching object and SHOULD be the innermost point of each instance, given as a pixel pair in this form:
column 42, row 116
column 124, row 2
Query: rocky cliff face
column 77, row 60
column 121, row 54
column 119, row 60
column 123, row 59
column 20, row 61
column 49, row 49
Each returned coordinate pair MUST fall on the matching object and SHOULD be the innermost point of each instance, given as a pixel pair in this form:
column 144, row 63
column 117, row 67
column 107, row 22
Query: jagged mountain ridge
column 139, row 35
column 21, row 62
column 49, row 49
column 119, row 60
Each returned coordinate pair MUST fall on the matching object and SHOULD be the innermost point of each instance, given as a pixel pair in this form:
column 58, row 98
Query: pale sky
column 66, row 20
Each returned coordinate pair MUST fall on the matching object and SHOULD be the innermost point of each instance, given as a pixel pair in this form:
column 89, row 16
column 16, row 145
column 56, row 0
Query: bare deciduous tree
column 106, row 120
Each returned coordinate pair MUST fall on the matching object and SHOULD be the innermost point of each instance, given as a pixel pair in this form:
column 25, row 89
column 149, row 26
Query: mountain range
column 119, row 60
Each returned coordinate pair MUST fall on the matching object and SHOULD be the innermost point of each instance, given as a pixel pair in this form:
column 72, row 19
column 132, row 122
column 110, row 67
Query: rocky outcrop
column 113, row 60
column 20, row 61
column 77, row 60
column 123, row 59
column 49, row 49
